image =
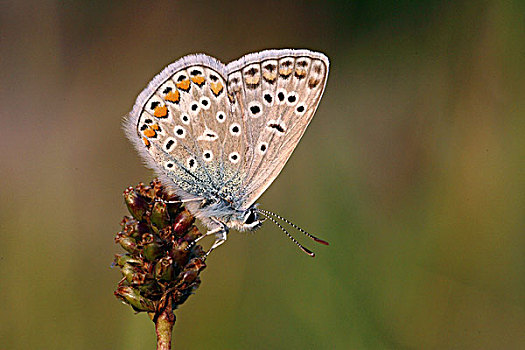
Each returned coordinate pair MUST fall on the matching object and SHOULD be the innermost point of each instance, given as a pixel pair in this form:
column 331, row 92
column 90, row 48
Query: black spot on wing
column 276, row 127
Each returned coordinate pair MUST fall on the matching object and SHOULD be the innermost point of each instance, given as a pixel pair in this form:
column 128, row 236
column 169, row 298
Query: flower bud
column 128, row 271
column 160, row 265
column 128, row 243
column 132, row 297
column 152, row 247
column 182, row 222
column 159, row 215
column 134, row 228
column 137, row 205
column 164, row 269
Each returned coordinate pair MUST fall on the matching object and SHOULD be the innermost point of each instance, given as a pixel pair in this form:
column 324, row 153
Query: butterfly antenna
column 304, row 249
column 318, row 240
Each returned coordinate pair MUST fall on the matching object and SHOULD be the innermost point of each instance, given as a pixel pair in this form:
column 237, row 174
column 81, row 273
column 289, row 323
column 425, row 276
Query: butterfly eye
column 249, row 218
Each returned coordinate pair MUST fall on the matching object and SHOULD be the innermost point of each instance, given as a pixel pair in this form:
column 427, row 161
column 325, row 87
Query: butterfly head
column 214, row 210
column 246, row 220
column 251, row 219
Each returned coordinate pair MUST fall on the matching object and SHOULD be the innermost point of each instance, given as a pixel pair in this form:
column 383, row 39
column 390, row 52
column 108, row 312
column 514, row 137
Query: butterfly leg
column 208, row 233
column 180, row 201
column 221, row 238
column 221, row 234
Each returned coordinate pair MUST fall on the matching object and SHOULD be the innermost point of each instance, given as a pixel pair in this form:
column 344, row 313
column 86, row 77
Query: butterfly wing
column 275, row 93
column 206, row 137
column 180, row 123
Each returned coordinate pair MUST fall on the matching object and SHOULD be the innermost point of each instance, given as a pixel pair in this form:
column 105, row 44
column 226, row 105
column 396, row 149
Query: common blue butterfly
column 218, row 135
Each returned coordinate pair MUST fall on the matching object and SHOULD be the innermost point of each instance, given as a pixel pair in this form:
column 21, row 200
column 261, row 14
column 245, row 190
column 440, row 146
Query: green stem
column 164, row 327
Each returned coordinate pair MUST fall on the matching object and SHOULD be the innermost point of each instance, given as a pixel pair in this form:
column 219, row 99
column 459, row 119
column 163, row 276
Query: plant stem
column 164, row 327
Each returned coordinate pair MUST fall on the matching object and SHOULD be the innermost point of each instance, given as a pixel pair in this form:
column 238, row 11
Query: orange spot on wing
column 252, row 80
column 146, row 142
column 149, row 132
column 269, row 76
column 160, row 111
column 198, row 80
column 184, row 85
column 173, row 96
column 285, row 71
column 300, row 72
column 155, row 126
column 216, row 88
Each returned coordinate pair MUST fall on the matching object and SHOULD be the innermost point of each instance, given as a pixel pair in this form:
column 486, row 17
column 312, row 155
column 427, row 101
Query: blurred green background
column 413, row 169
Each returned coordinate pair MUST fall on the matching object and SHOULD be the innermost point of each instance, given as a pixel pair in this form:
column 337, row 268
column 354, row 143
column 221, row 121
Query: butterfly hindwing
column 176, row 124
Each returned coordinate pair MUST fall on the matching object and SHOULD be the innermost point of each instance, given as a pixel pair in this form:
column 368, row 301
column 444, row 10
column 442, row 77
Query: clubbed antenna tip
column 319, row 240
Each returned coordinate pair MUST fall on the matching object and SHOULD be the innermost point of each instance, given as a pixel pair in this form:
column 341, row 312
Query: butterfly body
column 212, row 211
column 218, row 135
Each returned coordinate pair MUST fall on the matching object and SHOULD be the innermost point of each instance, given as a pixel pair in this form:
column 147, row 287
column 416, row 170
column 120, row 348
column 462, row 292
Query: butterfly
column 218, row 135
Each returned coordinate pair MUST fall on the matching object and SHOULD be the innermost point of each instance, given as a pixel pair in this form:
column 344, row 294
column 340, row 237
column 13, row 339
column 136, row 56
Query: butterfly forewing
column 289, row 88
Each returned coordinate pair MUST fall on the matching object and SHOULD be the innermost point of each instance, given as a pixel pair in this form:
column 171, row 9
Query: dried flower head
column 160, row 268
